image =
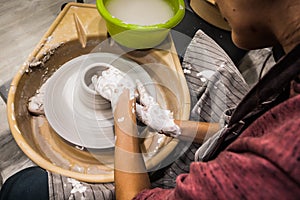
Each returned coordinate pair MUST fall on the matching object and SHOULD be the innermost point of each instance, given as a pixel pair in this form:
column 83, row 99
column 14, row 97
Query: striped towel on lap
column 215, row 85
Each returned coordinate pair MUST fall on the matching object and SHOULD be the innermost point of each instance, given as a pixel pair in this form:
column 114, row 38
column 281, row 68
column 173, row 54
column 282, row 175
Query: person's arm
column 162, row 120
column 130, row 172
column 196, row 131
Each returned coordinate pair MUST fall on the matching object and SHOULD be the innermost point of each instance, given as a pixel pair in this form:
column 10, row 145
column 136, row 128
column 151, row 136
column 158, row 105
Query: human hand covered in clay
column 111, row 84
column 150, row 113
column 125, row 115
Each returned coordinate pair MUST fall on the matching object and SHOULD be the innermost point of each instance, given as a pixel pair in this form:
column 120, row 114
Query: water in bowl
column 140, row 12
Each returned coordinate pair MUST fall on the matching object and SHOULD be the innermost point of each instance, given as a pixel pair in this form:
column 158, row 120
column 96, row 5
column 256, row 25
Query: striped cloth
column 215, row 85
column 61, row 187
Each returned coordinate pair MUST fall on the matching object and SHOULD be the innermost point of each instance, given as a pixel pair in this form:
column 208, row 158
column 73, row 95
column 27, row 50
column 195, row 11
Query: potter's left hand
column 124, row 114
column 151, row 114
column 111, row 83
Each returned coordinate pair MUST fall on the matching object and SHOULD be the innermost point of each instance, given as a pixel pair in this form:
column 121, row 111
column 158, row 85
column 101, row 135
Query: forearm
column 196, row 131
column 130, row 172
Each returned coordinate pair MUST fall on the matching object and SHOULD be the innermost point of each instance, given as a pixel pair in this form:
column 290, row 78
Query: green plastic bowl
column 138, row 36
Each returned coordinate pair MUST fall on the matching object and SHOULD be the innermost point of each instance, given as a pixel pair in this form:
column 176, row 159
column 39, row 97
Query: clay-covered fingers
column 111, row 83
column 151, row 114
column 143, row 97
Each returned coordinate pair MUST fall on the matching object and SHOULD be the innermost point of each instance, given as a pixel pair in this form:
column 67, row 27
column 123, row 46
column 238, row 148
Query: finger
column 110, row 81
column 101, row 87
column 144, row 97
column 140, row 112
column 140, row 88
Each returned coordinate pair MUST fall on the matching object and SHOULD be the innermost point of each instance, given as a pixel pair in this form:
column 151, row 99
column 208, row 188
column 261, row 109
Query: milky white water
column 140, row 12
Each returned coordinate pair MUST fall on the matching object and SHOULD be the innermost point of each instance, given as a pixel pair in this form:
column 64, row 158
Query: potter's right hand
column 151, row 113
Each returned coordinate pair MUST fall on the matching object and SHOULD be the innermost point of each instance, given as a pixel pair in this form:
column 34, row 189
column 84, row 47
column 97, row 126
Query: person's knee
column 30, row 183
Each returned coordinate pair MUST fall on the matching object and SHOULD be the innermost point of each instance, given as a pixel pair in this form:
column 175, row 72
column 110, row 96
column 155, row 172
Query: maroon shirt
column 262, row 163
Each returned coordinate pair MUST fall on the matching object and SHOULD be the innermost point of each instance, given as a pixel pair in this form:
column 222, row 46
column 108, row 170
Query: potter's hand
column 111, row 83
column 124, row 114
column 150, row 113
